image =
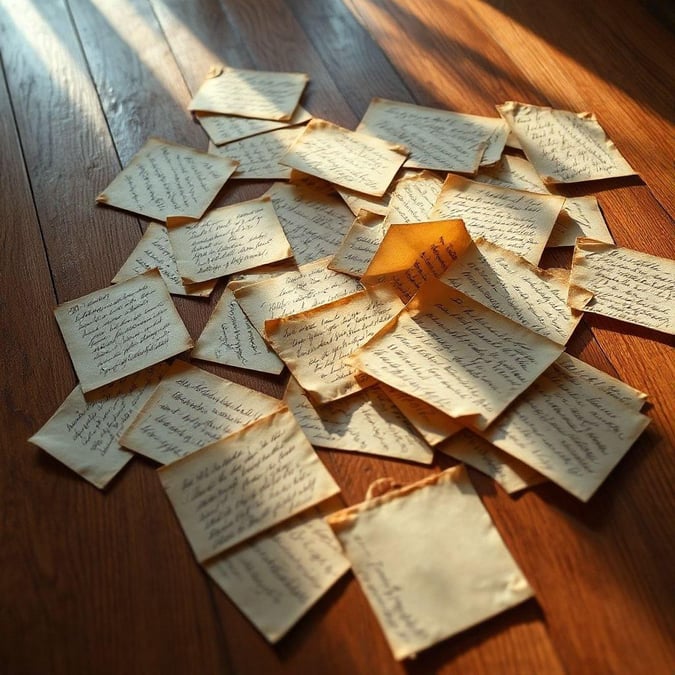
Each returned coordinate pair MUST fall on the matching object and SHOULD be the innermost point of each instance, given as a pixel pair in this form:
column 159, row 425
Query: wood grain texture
column 106, row 583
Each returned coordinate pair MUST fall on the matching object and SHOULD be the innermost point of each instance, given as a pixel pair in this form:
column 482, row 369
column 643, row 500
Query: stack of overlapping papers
column 395, row 275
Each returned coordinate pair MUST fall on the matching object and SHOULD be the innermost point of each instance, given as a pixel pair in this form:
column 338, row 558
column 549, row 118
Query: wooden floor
column 95, row 582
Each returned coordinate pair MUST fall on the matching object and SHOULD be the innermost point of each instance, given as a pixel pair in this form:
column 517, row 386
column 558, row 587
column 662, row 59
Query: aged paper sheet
column 357, row 201
column 229, row 239
column 456, row 355
column 119, row 330
column 569, row 430
column 366, row 421
column 438, row 139
column 296, row 291
column 314, row 222
column 517, row 220
column 563, row 146
column 190, row 409
column 154, row 251
column 347, row 158
column 359, row 245
column 230, row 338
column 422, row 593
column 250, row 93
column 413, row 198
column 277, row 576
column 164, row 179
column 508, row 284
column 314, row 344
column 627, row 285
column 223, row 129
column 246, row 483
column 84, row 433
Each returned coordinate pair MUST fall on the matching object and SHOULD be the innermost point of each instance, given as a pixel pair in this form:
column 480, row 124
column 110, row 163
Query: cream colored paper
column 570, row 431
column 84, row 432
column 192, row 408
column 508, row 284
column 230, row 239
column 230, row 338
column 347, row 158
column 476, row 452
column 246, row 483
column 563, row 146
column 456, row 355
column 164, row 179
column 413, row 198
column 277, row 576
column 223, row 129
column 119, row 330
column 258, row 156
column 314, row 222
column 357, row 201
column 627, row 285
column 359, row 245
column 154, row 251
column 366, row 421
column 517, row 220
column 438, row 139
column 429, row 560
column 296, row 291
column 250, row 93
column 314, row 344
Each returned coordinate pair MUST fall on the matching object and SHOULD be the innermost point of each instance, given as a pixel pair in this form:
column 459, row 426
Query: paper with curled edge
column 413, row 198
column 421, row 593
column 359, row 245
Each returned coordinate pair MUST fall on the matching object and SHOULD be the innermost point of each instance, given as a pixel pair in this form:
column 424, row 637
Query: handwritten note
column 517, row 220
column 347, row 158
column 230, row 338
column 413, row 198
column 277, row 576
column 164, row 179
column 190, row 409
column 512, row 172
column 230, row 239
column 429, row 560
column 84, row 432
column 314, row 222
column 246, row 483
column 122, row 329
column 627, row 285
column 357, row 201
column 250, row 93
column 563, row 146
column 438, row 139
column 366, row 421
column 359, row 245
column 314, row 344
column 154, row 251
column 456, row 355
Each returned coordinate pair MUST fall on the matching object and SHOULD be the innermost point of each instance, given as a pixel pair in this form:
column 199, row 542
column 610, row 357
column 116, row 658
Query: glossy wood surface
column 104, row 582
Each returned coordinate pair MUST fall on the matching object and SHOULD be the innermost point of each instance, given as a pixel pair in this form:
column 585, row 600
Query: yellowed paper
column 569, row 430
column 154, row 251
column 429, row 560
column 359, row 245
column 413, row 198
column 438, row 139
column 314, row 222
column 456, row 355
column 296, row 291
column 223, row 129
column 366, row 421
column 476, row 452
column 357, row 201
column 277, row 576
column 314, row 344
column 250, row 93
column 563, row 146
column 230, row 239
column 627, row 285
column 347, row 158
column 258, row 156
column 84, row 432
column 190, row 409
column 119, row 330
column 246, row 483
column 517, row 220
column 508, row 284
column 164, row 179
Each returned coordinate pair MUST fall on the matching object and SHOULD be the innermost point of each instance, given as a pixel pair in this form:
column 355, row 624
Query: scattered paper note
column 357, row 201
column 414, row 198
column 359, row 245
